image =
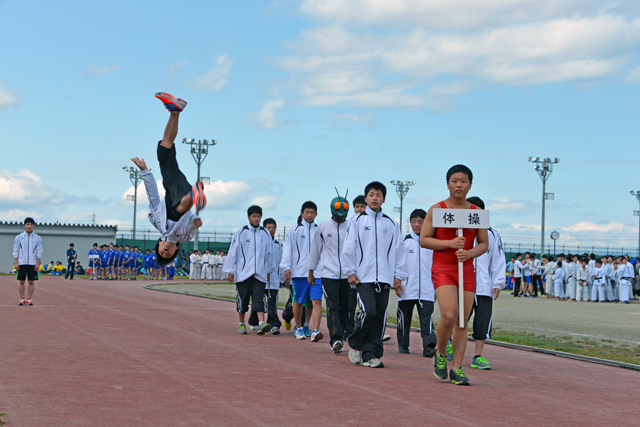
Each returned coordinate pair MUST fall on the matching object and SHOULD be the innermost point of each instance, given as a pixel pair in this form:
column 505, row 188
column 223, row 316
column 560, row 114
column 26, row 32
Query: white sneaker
column 337, row 347
column 355, row 356
column 316, row 336
column 386, row 338
column 254, row 328
column 300, row 334
column 374, row 363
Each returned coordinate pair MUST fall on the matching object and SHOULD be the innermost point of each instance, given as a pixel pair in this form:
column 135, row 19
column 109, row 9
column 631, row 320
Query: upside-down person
column 171, row 216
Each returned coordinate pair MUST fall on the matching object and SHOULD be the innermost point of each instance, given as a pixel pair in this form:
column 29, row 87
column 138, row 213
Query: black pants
column 516, row 286
column 370, row 319
column 351, row 313
column 405, row 313
column 336, row 295
column 175, row 184
column 71, row 268
column 271, row 302
column 537, row 281
column 253, row 289
column 483, row 318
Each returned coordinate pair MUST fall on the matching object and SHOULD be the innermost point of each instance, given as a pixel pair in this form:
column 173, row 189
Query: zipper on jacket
column 339, row 263
column 255, row 259
column 375, row 221
column 419, row 275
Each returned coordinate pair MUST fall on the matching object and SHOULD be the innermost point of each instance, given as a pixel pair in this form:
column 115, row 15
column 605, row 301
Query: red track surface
column 116, row 354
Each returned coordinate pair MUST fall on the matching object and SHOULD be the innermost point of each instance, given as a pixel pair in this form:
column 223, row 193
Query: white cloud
column 94, row 71
column 265, row 202
column 174, row 68
column 349, row 120
column 382, row 53
column 214, row 79
column 25, row 188
column 7, row 99
column 632, row 77
column 590, row 226
column 266, row 117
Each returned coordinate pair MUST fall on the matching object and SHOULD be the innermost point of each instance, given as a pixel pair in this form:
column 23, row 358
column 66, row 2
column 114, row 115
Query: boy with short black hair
column 94, row 262
column 582, row 280
column 249, row 262
column 27, row 256
column 517, row 275
column 374, row 261
column 171, row 216
column 598, row 274
column 417, row 290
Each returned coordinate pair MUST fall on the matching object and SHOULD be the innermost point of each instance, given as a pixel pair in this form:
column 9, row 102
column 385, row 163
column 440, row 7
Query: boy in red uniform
column 448, row 250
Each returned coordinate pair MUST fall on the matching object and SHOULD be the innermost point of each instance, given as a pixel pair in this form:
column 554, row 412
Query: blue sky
column 307, row 95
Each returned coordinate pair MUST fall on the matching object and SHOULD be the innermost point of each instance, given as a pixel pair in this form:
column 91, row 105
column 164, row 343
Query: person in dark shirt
column 72, row 257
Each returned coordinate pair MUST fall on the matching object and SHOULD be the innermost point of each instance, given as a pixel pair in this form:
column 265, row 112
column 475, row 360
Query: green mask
column 339, row 208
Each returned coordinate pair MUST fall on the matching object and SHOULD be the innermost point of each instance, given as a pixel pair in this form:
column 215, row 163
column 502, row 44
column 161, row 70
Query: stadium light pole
column 402, row 188
column 544, row 168
column 636, row 194
column 135, row 176
column 199, row 151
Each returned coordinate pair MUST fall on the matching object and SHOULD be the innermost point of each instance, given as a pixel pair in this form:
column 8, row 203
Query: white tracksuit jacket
column 27, row 247
column 297, row 246
column 373, row 249
column 491, row 267
column 326, row 250
column 276, row 276
column 250, row 254
column 418, row 285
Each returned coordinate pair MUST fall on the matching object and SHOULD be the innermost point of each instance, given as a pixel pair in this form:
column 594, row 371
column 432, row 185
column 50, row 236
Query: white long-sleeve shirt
column 517, row 269
column 170, row 231
column 297, row 246
column 558, row 276
column 277, row 275
column 27, row 247
column 250, row 254
column 418, row 285
column 373, row 249
column 537, row 267
column 490, row 267
column 326, row 250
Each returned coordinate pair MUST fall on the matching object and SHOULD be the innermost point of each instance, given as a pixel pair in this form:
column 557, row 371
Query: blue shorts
column 147, row 265
column 527, row 279
column 303, row 289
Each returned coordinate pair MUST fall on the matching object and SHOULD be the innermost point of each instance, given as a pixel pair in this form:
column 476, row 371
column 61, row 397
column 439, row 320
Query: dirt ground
column 613, row 324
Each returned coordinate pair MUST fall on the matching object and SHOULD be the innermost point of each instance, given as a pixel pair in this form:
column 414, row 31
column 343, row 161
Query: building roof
column 57, row 224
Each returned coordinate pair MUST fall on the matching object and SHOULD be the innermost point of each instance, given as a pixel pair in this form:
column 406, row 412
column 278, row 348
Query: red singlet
column 445, row 263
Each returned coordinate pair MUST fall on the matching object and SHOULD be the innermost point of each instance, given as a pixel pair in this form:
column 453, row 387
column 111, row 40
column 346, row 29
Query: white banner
column 460, row 218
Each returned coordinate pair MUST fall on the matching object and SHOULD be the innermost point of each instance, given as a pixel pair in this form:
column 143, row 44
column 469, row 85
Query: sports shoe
column 440, row 366
column 457, row 377
column 170, row 102
column 373, row 363
column 263, row 328
column 316, row 336
column 428, row 352
column 355, row 356
column 337, row 347
column 299, row 334
column 29, row 303
column 306, row 330
column 275, row 330
column 480, row 362
column 197, row 196
column 450, row 352
column 253, row 328
column 385, row 338
column 287, row 325
column 242, row 329
column 403, row 350
column 23, row 302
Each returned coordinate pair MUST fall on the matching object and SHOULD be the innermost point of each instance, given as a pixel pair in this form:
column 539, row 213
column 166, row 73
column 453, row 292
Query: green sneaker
column 242, row 329
column 263, row 328
column 440, row 366
column 457, row 377
column 450, row 352
column 480, row 363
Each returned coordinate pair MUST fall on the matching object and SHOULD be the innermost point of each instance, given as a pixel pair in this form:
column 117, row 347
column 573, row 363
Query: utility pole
column 135, row 176
column 402, row 188
column 199, row 151
column 636, row 194
column 544, row 168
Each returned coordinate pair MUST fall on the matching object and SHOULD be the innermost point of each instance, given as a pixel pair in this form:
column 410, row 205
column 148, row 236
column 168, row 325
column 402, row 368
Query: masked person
column 326, row 256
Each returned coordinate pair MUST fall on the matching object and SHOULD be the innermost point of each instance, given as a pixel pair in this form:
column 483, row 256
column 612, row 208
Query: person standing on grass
column 27, row 255
column 448, row 250
column 490, row 280
column 249, row 262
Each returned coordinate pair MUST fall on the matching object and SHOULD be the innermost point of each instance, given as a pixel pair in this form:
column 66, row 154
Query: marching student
column 417, row 290
column 374, row 261
column 359, row 205
column 326, row 255
column 582, row 279
column 171, row 216
column 450, row 249
column 625, row 273
column 294, row 263
column 94, row 262
column 27, row 256
column 558, row 281
column 599, row 276
column 490, row 279
column 276, row 279
column 249, row 262
column 517, row 275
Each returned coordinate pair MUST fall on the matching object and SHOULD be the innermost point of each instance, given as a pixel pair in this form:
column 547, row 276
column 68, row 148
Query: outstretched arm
column 150, row 185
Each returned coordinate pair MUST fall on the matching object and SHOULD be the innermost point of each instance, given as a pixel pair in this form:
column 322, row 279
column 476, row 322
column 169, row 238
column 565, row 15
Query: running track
column 116, row 354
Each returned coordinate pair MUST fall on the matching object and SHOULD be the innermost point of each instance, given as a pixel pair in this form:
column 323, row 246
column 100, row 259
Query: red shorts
column 448, row 275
